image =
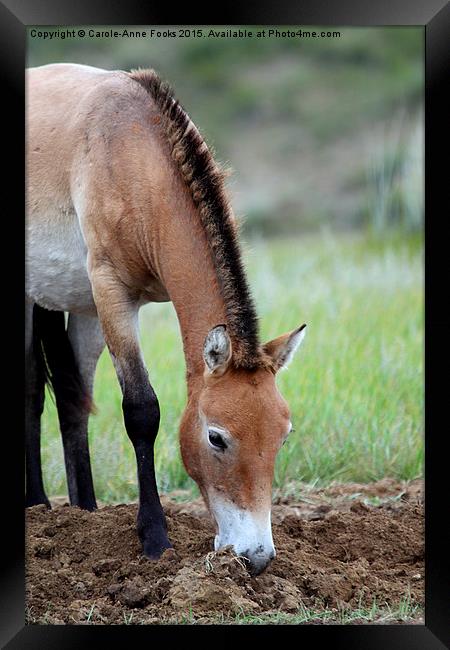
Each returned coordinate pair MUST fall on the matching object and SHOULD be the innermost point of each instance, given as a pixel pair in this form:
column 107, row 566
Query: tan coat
column 126, row 206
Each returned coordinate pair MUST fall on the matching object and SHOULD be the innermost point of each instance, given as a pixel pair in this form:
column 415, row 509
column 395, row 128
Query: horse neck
column 187, row 271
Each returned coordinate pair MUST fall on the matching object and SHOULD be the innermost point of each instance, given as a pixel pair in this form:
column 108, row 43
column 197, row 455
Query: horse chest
column 56, row 263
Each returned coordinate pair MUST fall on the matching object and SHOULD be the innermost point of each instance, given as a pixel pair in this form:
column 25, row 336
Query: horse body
column 61, row 171
column 126, row 206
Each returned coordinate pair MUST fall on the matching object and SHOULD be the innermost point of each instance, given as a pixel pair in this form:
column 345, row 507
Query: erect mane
column 205, row 180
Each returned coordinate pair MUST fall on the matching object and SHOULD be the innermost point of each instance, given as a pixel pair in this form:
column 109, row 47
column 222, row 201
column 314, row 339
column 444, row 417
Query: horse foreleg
column 118, row 314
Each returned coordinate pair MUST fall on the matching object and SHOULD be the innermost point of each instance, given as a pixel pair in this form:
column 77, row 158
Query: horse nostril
column 256, row 565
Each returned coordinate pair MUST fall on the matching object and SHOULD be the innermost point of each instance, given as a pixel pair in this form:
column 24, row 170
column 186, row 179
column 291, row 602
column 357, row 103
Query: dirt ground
column 337, row 548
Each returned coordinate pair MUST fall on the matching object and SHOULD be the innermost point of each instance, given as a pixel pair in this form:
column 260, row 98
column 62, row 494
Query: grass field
column 355, row 388
column 405, row 612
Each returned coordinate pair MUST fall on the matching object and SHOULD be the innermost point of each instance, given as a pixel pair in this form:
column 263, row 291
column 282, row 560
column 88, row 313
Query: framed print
column 236, row 223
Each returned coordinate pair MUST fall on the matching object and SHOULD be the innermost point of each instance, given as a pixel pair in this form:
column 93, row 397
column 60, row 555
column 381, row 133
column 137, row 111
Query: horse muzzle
column 249, row 533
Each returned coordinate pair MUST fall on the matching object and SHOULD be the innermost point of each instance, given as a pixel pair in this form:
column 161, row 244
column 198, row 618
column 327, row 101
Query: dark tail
column 56, row 361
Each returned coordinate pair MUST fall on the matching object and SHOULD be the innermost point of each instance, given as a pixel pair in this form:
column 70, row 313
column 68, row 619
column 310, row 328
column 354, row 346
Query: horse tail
column 57, row 363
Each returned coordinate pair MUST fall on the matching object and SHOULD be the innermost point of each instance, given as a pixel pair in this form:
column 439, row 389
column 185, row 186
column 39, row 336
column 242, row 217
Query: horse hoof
column 154, row 551
column 31, row 502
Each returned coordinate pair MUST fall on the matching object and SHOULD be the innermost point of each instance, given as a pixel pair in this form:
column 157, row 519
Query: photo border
column 434, row 16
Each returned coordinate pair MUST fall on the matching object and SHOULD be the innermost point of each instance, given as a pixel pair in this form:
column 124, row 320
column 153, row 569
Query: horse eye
column 216, row 440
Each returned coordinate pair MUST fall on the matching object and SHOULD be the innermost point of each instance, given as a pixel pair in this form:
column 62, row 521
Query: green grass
column 404, row 612
column 355, row 388
column 381, row 613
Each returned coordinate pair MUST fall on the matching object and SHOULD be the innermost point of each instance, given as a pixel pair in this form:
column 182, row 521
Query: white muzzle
column 249, row 533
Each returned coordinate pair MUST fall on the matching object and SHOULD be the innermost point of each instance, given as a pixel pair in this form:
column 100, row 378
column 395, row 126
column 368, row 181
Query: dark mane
column 205, row 180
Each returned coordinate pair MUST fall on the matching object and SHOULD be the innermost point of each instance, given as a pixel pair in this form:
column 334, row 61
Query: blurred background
column 325, row 137
column 320, row 132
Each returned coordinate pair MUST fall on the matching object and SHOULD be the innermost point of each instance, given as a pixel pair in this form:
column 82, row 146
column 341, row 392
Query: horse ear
column 217, row 350
column 282, row 349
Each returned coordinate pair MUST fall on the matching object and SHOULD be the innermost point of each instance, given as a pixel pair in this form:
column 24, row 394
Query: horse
column 126, row 205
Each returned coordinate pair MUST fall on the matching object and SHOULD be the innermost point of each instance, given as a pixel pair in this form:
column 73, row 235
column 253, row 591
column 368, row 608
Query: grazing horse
column 126, row 205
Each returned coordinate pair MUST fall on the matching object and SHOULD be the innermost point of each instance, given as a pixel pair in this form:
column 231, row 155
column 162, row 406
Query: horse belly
column 56, row 265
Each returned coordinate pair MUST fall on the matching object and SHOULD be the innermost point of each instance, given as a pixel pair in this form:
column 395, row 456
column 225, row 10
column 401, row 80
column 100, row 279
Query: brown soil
column 335, row 550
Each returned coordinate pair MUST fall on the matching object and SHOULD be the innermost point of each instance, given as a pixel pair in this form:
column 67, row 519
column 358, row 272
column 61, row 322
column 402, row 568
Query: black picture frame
column 434, row 16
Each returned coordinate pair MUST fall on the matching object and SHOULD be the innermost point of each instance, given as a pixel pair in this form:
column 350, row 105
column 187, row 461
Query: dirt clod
column 339, row 549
